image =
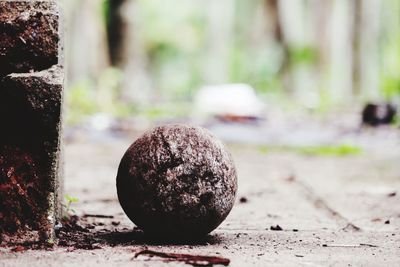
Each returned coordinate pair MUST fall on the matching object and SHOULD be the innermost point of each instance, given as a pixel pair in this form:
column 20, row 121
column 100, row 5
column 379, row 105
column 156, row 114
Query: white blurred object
column 229, row 100
column 100, row 122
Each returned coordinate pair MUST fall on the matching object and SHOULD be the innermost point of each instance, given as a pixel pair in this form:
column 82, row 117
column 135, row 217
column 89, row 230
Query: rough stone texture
column 30, row 116
column 28, row 36
column 177, row 181
column 30, row 106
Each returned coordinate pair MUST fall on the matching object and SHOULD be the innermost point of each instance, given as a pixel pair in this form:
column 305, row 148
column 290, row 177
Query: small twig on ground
column 98, row 216
column 368, row 245
column 195, row 260
column 351, row 228
column 349, row 245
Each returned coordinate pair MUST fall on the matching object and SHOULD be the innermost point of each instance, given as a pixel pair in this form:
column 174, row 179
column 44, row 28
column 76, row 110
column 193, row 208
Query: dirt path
column 333, row 210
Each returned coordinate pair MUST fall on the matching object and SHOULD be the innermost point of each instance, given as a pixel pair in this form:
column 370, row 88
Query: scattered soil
column 77, row 233
column 276, row 228
column 73, row 235
column 243, row 200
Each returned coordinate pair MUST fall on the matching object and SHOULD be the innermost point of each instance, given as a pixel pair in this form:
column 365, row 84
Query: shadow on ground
column 77, row 233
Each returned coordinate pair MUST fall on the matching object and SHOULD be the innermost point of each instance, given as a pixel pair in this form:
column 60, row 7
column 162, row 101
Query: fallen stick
column 195, row 260
column 98, row 216
column 349, row 245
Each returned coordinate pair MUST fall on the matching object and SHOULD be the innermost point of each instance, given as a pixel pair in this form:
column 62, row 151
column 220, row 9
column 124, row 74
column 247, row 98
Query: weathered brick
column 31, row 84
column 28, row 36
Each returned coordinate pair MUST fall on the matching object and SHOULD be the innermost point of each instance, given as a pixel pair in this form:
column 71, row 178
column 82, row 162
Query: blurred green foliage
column 390, row 82
column 303, row 55
column 106, row 11
column 326, row 150
column 174, row 40
column 390, row 52
column 87, row 97
column 256, row 67
column 166, row 111
column 80, row 101
column 341, row 150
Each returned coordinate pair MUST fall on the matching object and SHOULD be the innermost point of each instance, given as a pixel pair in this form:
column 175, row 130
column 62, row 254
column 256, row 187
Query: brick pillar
column 31, row 83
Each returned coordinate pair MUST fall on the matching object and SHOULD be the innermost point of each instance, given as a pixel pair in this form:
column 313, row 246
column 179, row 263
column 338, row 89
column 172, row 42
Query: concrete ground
column 334, row 210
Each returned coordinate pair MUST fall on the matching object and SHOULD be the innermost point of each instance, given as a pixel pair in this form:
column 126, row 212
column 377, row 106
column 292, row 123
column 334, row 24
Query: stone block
column 29, row 36
column 31, row 86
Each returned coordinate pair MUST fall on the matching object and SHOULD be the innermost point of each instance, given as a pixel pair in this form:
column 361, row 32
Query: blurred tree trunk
column 356, row 44
column 116, row 26
column 369, row 48
column 219, row 15
column 275, row 21
column 126, row 50
column 322, row 17
column 340, row 74
column 86, row 37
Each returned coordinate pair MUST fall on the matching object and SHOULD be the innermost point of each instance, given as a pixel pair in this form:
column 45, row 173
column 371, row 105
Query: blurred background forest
column 150, row 58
